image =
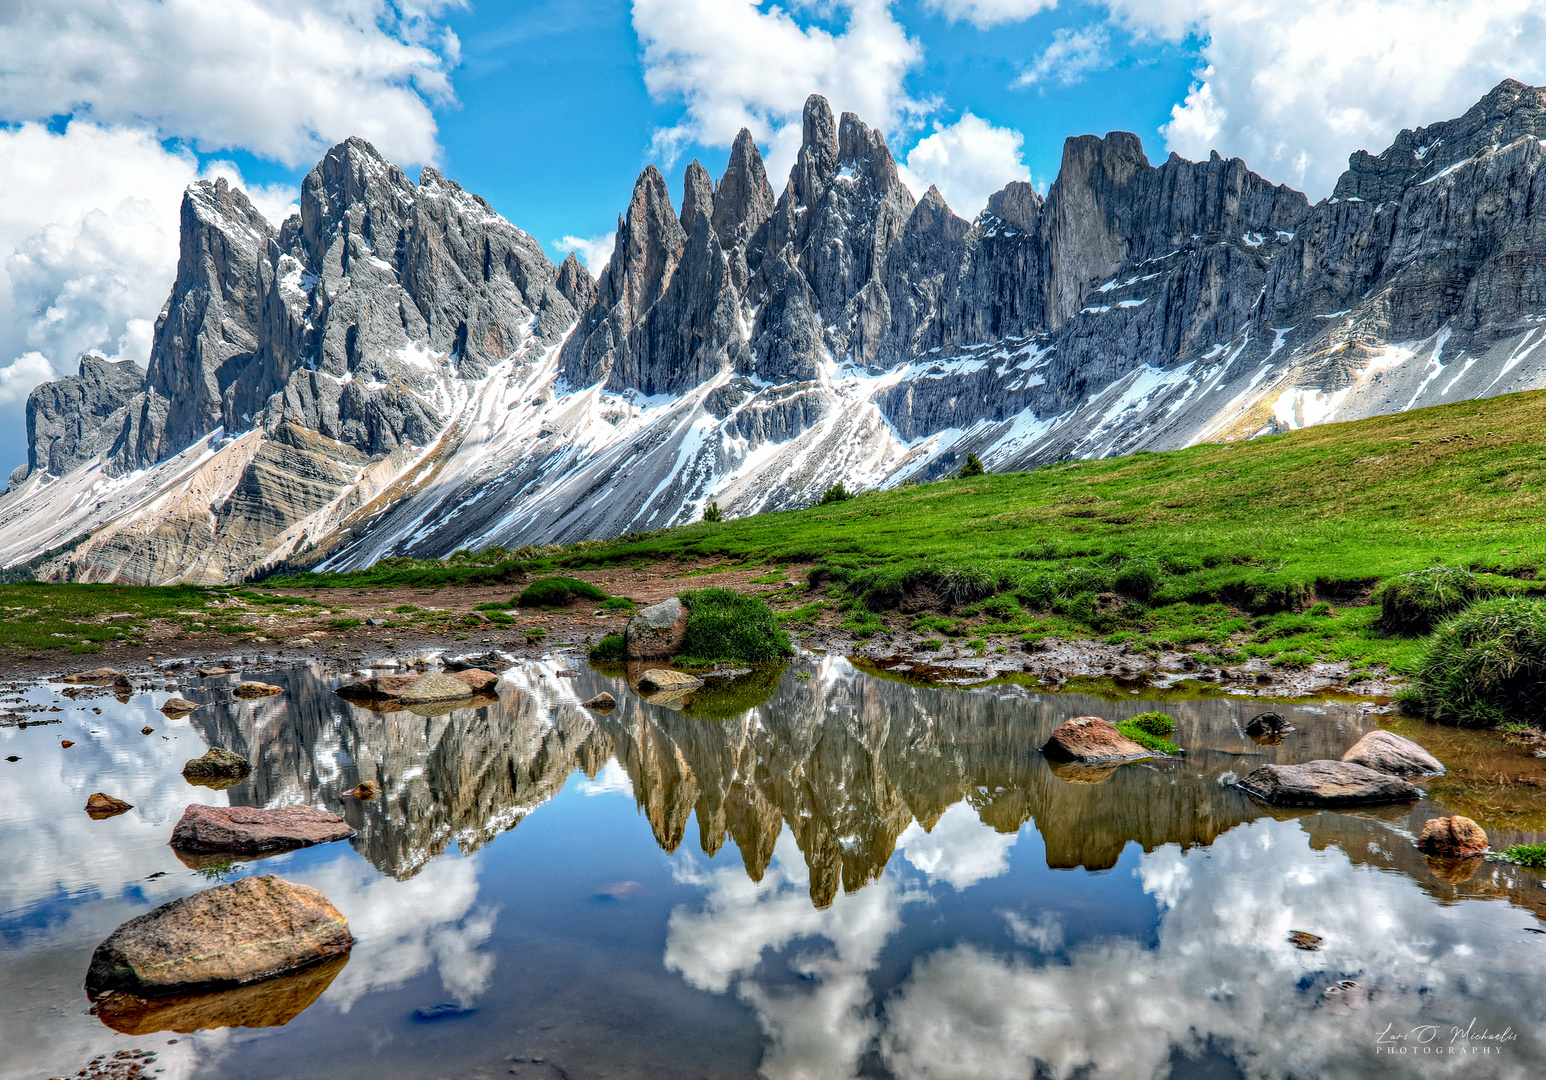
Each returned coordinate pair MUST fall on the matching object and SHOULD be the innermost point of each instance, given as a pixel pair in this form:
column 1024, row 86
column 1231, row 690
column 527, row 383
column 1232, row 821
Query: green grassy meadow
column 1271, row 548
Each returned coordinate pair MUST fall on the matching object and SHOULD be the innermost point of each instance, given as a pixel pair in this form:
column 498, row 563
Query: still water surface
column 855, row 877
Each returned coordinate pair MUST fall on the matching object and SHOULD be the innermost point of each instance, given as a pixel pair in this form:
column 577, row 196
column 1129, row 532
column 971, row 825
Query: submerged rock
column 1390, row 753
column 656, row 632
column 1092, row 740
column 101, row 675
column 214, row 671
column 489, row 661
column 1327, row 784
column 251, row 830
column 217, row 764
column 433, row 688
column 377, row 688
column 1268, row 723
column 602, row 702
column 1452, row 837
column 257, row 689
column 231, row 935
column 102, row 806
column 175, row 707
column 659, row 680
column 365, row 791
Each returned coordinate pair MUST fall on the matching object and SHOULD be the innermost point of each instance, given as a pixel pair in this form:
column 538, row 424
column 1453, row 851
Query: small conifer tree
column 712, row 513
column 973, row 467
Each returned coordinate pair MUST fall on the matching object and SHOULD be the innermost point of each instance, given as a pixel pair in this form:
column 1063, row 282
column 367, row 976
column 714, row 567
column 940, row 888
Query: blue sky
column 550, row 108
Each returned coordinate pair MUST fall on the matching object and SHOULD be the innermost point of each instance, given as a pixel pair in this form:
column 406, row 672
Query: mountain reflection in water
column 886, row 911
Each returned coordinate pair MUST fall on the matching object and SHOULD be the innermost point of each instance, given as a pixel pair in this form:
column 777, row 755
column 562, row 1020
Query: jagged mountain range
column 399, row 370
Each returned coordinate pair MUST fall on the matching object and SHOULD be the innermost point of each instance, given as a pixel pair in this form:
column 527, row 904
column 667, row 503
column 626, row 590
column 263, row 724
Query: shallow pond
column 855, row 877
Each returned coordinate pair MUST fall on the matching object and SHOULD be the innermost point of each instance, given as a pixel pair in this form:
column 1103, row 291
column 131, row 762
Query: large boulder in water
column 230, row 935
column 656, row 632
column 252, row 830
column 477, row 680
column 1327, row 784
column 1387, row 752
column 377, row 688
column 1092, row 740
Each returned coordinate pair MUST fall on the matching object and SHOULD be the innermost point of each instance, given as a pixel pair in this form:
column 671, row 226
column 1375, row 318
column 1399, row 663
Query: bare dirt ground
column 447, row 620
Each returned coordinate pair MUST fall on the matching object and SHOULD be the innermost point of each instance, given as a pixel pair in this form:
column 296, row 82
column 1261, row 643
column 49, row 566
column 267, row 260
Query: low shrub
column 610, row 649
column 724, row 625
column 973, row 467
column 835, row 494
column 1484, row 667
column 1150, row 730
column 554, row 592
column 1413, row 604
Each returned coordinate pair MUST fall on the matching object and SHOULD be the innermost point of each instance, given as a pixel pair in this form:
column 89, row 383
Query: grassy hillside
column 1269, row 547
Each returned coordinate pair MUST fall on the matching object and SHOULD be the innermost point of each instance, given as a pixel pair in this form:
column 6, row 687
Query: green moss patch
column 723, row 625
column 557, row 592
column 1485, row 667
column 1151, row 730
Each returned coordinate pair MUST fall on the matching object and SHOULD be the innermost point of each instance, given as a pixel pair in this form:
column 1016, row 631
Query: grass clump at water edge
column 1484, row 667
column 723, row 625
column 555, row 592
column 1531, row 855
column 1150, row 730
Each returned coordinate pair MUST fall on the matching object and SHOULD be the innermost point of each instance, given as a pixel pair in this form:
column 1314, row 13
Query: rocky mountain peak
column 744, row 199
column 1018, row 203
column 1509, row 112
column 697, row 201
column 817, row 161
column 575, row 283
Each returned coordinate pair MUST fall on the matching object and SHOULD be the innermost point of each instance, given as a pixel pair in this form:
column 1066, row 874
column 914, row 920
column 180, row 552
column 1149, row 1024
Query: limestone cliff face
column 751, row 346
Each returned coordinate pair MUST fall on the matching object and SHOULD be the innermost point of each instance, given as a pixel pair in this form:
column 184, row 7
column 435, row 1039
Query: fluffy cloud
column 595, row 252
column 735, row 65
column 968, row 161
column 1294, row 86
column 960, row 850
column 283, row 78
column 1072, row 54
column 87, row 257
column 985, row 13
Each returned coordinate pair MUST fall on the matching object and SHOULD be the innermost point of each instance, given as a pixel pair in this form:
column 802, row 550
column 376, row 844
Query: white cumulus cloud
column 1073, row 54
column 1295, row 86
column 736, row 65
column 985, row 13
column 595, row 252
column 968, row 161
column 283, row 78
column 960, row 850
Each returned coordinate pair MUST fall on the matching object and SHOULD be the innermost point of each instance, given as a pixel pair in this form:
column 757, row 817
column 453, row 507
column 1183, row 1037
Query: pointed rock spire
column 818, row 158
column 697, row 201
column 744, row 199
column 575, row 284
column 649, row 244
column 1017, row 203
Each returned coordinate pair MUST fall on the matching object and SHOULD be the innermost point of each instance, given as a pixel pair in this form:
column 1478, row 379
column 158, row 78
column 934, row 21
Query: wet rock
column 1300, row 939
column 377, row 688
column 1455, row 871
column 147, row 730
column 1091, row 740
column 1390, row 753
column 1268, row 723
column 217, row 764
column 175, row 707
column 602, row 702
column 477, row 680
column 102, row 806
column 230, row 935
column 214, row 672
column 269, row 1003
column 656, row 632
column 101, row 675
column 251, row 830
column 1452, row 837
column 12, row 757
column 434, row 688
column 121, row 682
column 365, row 791
column 658, row 680
column 67, row 743
column 489, row 661
column 1327, row 784
column 257, row 690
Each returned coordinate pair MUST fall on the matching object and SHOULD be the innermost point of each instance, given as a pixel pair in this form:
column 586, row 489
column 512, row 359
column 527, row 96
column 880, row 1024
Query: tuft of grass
column 1485, row 667
column 556, row 592
column 724, row 625
column 1531, row 855
column 610, row 649
column 1151, row 730
column 1415, row 602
